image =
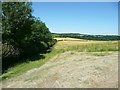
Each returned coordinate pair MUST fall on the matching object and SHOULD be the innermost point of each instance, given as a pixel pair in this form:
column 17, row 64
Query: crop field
column 85, row 45
column 72, row 63
column 69, row 39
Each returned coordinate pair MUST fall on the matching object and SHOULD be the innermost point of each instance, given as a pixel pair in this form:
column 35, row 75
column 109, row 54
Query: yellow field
column 69, row 39
column 74, row 44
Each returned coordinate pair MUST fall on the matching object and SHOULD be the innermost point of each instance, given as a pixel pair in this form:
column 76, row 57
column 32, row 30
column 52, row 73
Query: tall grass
column 92, row 46
column 95, row 47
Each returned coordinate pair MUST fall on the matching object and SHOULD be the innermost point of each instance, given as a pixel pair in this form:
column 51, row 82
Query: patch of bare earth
column 71, row 70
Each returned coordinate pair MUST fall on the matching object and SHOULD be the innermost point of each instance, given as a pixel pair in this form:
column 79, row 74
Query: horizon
column 93, row 18
column 84, row 33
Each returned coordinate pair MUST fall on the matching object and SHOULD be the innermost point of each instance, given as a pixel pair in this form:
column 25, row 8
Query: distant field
column 87, row 37
column 74, row 44
column 68, row 39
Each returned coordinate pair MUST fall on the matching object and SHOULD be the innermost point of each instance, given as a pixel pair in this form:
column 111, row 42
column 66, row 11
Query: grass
column 68, row 39
column 99, row 54
column 62, row 46
column 87, row 46
column 24, row 67
column 98, row 68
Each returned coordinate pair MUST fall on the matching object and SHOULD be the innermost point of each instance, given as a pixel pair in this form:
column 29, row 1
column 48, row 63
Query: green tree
column 16, row 21
column 23, row 35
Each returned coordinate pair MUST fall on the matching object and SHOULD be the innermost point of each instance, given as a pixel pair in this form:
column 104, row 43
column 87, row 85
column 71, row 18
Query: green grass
column 61, row 47
column 99, row 54
column 24, row 67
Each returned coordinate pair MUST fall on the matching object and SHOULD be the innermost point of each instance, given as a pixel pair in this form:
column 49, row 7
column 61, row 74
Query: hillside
column 87, row 37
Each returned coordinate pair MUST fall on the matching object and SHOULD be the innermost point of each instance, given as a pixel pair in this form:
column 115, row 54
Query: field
column 72, row 63
column 71, row 44
column 69, row 39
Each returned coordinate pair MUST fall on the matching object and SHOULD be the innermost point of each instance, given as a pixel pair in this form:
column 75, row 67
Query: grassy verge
column 24, row 67
column 60, row 47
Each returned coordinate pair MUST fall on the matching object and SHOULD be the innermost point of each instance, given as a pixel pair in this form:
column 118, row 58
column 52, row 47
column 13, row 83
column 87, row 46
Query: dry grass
column 85, row 45
column 66, row 70
column 69, row 39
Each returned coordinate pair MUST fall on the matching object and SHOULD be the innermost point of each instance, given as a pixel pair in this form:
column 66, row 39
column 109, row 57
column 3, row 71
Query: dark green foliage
column 39, row 39
column 16, row 21
column 23, row 35
column 88, row 37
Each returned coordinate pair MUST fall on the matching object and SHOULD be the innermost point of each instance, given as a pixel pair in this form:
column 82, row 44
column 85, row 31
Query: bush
column 52, row 42
column 9, row 51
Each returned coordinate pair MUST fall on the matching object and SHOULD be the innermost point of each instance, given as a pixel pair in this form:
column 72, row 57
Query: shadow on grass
column 12, row 61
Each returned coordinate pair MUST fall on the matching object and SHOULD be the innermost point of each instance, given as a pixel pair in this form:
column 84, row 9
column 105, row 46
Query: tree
column 17, row 21
column 23, row 35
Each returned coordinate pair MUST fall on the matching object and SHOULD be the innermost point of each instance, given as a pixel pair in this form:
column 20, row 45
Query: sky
column 94, row 18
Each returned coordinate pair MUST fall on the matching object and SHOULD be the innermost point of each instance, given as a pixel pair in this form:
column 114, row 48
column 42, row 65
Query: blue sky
column 99, row 18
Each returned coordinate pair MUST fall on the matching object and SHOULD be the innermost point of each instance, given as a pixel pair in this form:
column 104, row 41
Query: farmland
column 72, row 44
column 59, row 45
column 75, row 63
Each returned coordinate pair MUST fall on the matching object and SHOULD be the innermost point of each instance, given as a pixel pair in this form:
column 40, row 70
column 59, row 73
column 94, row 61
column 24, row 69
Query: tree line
column 87, row 37
column 22, row 34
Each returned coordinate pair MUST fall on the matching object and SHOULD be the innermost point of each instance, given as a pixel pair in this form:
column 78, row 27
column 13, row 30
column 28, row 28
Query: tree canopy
column 23, row 34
